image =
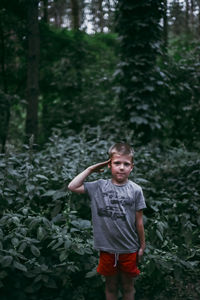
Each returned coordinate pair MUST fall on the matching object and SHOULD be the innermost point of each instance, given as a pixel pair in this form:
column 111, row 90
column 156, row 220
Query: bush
column 46, row 247
column 172, row 219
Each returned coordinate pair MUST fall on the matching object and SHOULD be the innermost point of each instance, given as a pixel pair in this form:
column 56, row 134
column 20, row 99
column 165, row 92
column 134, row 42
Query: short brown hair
column 121, row 148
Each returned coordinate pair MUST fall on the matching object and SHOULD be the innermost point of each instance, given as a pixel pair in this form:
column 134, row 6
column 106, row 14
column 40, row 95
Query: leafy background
column 46, row 233
column 135, row 78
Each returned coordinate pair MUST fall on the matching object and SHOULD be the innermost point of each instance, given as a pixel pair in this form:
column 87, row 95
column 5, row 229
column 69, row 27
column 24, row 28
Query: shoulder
column 103, row 182
column 94, row 184
column 140, row 200
column 134, row 185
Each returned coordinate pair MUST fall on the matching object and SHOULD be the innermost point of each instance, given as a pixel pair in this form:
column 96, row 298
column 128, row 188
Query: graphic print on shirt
column 114, row 205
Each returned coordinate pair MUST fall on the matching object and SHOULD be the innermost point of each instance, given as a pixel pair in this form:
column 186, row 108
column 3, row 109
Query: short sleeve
column 90, row 187
column 140, row 201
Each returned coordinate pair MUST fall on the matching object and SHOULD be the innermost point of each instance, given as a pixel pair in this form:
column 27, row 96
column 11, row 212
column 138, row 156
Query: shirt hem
column 125, row 251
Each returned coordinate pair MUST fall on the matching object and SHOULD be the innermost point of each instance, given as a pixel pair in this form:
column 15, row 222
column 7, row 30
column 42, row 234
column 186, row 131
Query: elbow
column 70, row 187
column 74, row 188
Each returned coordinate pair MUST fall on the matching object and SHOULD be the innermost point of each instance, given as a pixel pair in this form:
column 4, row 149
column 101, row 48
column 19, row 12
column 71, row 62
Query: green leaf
column 91, row 273
column 15, row 220
column 59, row 194
column 30, row 187
column 6, row 261
column 46, row 223
column 35, row 251
column 81, row 224
column 42, row 177
column 1, row 234
column 63, row 256
column 40, row 233
column 15, row 242
column 58, row 244
column 56, row 209
column 22, row 247
column 49, row 193
column 150, row 88
column 3, row 274
column 79, row 250
column 51, row 284
column 67, row 244
column 19, row 266
column 158, row 233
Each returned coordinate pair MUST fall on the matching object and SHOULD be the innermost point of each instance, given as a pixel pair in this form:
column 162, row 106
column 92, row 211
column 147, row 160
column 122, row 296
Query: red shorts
column 110, row 264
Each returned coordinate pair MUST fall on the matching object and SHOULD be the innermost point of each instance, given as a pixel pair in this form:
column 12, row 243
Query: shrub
column 46, row 247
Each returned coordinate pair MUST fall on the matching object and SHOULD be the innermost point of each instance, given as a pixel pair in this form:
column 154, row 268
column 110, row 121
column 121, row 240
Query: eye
column 127, row 164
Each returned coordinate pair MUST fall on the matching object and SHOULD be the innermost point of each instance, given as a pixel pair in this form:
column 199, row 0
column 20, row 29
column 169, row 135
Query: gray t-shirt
column 113, row 215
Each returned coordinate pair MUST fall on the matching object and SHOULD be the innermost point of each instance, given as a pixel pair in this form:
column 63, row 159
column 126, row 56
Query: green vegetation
column 46, row 247
column 136, row 79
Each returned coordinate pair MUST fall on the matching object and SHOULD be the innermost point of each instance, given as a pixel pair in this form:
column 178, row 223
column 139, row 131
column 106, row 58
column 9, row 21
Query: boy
column 117, row 214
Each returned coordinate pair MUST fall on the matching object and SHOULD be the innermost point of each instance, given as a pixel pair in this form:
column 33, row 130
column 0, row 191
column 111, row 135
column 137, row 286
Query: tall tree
column 198, row 4
column 4, row 99
column 138, row 25
column 177, row 17
column 11, row 24
column 45, row 11
column 32, row 69
column 102, row 15
column 57, row 11
column 75, row 12
column 187, row 14
column 165, row 26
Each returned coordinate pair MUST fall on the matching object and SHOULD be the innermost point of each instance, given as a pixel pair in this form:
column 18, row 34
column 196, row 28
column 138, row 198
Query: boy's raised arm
column 76, row 185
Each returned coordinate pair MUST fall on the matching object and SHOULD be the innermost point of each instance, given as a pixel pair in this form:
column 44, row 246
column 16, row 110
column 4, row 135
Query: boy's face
column 121, row 166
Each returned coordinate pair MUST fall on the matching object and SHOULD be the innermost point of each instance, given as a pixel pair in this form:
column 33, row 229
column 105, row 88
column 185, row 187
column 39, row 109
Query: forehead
column 122, row 157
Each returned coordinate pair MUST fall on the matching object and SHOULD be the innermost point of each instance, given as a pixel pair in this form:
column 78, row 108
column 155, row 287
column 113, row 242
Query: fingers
column 99, row 167
column 105, row 162
column 140, row 254
column 102, row 164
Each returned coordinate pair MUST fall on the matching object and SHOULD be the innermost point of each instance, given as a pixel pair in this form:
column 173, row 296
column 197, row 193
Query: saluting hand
column 99, row 166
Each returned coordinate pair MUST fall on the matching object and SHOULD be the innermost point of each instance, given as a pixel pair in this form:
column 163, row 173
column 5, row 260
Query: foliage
column 172, row 220
column 46, row 247
column 77, row 85
column 140, row 40
column 179, row 92
column 45, row 232
column 44, row 244
column 83, row 79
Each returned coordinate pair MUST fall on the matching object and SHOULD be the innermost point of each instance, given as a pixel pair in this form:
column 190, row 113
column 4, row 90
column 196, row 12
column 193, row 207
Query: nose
column 121, row 166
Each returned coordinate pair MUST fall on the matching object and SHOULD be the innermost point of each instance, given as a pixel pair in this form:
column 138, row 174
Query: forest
column 76, row 76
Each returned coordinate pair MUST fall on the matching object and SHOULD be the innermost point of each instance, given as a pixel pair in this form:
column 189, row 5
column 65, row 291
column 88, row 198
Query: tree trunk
column 138, row 56
column 45, row 11
column 32, row 69
column 187, row 17
column 100, row 15
column 4, row 99
column 75, row 15
column 192, row 16
column 198, row 32
column 165, row 27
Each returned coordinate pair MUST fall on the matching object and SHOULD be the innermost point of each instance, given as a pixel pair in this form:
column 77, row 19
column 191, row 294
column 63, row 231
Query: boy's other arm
column 77, row 184
column 140, row 231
